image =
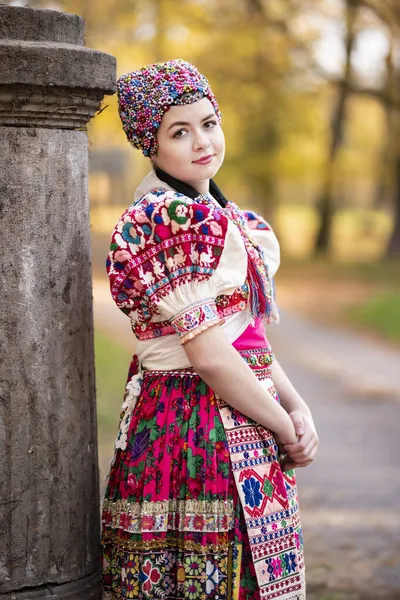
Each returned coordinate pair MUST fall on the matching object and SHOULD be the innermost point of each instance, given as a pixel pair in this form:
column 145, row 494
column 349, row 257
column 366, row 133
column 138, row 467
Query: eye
column 210, row 124
column 180, row 133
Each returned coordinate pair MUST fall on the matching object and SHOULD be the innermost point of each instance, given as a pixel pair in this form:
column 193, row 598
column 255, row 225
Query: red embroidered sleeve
column 163, row 249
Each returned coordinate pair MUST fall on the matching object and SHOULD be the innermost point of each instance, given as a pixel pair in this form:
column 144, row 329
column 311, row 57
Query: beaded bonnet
column 145, row 95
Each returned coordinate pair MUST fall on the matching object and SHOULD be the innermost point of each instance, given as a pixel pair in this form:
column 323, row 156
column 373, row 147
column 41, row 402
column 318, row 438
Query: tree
column 388, row 95
column 326, row 200
column 389, row 13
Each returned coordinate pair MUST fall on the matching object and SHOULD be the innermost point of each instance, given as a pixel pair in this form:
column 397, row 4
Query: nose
column 201, row 140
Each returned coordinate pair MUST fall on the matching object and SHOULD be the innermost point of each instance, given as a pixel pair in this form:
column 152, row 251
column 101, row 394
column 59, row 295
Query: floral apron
column 263, row 558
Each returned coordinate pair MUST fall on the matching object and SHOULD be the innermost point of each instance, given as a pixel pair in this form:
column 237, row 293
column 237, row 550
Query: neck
column 192, row 191
column 203, row 187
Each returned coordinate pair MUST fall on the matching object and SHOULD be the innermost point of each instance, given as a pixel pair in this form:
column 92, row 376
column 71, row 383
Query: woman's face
column 189, row 134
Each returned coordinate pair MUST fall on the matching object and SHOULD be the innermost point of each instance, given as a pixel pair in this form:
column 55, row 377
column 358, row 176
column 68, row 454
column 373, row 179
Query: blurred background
column 310, row 96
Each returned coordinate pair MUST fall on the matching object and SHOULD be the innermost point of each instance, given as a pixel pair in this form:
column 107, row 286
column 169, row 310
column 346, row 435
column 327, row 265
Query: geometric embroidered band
column 184, row 515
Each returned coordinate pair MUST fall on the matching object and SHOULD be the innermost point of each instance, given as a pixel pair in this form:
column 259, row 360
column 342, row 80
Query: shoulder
column 166, row 240
column 158, row 199
column 256, row 221
column 159, row 215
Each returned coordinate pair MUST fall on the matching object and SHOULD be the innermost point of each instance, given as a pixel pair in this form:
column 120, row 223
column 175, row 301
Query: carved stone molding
column 48, row 78
column 41, row 106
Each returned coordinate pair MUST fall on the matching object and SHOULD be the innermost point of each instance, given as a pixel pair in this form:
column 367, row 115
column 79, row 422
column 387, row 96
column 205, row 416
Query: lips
column 204, row 160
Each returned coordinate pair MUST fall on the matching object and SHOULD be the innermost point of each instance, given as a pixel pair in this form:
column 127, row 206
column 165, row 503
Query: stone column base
column 87, row 588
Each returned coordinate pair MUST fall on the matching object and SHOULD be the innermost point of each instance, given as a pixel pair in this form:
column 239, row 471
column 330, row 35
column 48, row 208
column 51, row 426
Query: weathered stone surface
column 88, row 588
column 55, row 64
column 17, row 23
column 47, row 77
column 48, row 454
column 47, row 106
column 49, row 505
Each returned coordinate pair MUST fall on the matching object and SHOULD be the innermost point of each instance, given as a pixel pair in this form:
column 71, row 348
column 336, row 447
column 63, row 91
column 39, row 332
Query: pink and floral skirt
column 174, row 525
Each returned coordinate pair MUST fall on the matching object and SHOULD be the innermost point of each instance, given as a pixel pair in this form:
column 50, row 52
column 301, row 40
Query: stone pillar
column 50, row 87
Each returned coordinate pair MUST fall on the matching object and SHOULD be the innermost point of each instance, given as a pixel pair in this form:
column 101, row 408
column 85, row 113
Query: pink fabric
column 253, row 337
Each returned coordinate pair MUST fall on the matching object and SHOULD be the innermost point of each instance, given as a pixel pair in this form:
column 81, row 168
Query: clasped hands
column 303, row 452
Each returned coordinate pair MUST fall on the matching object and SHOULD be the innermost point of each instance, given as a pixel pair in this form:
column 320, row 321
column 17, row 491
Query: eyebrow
column 175, row 123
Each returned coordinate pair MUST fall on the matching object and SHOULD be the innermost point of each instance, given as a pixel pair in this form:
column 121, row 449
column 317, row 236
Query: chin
column 206, row 171
column 214, row 170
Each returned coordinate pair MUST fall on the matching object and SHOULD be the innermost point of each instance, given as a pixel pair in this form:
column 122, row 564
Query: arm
column 223, row 369
column 289, row 396
column 303, row 452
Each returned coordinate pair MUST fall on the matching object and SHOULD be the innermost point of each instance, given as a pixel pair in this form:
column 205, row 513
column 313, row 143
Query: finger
column 300, row 447
column 309, row 454
column 298, row 422
column 308, row 435
column 307, row 464
column 287, row 464
column 281, row 449
column 299, row 426
column 302, row 459
column 301, row 453
column 302, row 462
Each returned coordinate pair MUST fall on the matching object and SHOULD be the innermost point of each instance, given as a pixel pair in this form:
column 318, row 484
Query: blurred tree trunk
column 388, row 11
column 263, row 189
column 385, row 180
column 393, row 248
column 326, row 199
column 393, row 111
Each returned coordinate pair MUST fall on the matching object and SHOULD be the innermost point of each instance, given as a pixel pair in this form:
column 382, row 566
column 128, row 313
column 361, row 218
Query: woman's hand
column 303, row 452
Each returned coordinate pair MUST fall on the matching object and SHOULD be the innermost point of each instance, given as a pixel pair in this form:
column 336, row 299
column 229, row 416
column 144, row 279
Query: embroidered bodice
column 178, row 265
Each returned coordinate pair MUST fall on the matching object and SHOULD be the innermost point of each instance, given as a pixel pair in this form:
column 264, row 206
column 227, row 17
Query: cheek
column 175, row 159
column 166, row 155
column 179, row 157
column 176, row 151
column 219, row 141
column 182, row 154
column 220, row 146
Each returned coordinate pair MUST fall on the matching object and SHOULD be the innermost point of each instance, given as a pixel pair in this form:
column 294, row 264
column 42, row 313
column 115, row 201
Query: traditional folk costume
column 196, row 505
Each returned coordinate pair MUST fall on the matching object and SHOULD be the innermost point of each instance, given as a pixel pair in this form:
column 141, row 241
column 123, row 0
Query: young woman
column 201, row 502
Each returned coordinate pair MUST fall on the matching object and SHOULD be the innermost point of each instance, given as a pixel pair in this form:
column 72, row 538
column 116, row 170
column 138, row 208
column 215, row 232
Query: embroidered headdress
column 146, row 94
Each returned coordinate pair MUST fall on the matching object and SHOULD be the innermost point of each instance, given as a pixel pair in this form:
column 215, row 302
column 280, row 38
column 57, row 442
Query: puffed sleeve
column 263, row 235
column 171, row 257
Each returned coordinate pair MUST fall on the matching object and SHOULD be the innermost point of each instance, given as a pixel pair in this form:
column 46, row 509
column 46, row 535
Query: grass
column 380, row 313
column 112, row 362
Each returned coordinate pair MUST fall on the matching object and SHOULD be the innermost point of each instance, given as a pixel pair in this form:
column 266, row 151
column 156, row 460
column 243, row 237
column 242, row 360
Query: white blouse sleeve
column 191, row 307
column 262, row 233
